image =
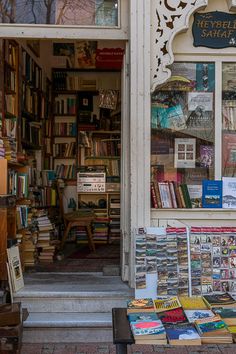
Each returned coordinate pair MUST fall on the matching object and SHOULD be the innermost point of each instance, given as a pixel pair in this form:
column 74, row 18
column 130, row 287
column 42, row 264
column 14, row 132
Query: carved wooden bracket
column 232, row 5
column 172, row 17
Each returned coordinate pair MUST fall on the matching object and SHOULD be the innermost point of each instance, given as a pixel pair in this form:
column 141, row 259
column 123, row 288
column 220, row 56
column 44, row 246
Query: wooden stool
column 74, row 220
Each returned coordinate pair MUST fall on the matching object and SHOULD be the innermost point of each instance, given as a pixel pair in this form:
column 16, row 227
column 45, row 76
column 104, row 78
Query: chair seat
column 78, row 216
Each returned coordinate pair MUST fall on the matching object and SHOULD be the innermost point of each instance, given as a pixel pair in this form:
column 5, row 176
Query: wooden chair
column 74, row 219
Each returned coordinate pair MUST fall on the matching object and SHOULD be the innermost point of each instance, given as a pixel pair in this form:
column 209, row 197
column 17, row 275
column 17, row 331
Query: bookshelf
column 87, row 137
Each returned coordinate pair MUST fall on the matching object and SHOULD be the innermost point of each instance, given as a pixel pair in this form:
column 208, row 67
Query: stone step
column 59, row 292
column 68, row 328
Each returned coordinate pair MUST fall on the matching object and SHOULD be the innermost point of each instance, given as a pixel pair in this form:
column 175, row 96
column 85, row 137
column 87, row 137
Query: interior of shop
column 60, row 151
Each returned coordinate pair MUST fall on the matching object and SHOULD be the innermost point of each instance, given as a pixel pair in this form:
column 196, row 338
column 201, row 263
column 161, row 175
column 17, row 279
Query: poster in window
column 185, row 153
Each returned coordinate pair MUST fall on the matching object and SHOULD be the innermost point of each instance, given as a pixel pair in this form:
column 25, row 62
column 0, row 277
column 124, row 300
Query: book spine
column 182, row 197
column 153, row 197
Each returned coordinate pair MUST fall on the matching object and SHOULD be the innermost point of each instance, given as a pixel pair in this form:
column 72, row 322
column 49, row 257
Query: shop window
column 61, row 12
column 183, row 136
column 229, row 120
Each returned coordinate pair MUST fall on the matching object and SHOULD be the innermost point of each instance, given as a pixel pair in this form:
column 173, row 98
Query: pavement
column 107, row 348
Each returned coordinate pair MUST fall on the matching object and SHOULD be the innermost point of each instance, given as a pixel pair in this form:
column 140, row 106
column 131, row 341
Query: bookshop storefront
column 192, row 151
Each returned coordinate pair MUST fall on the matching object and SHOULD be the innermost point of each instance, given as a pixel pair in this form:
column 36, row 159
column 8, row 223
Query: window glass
column 229, row 120
column 183, row 138
column 61, row 12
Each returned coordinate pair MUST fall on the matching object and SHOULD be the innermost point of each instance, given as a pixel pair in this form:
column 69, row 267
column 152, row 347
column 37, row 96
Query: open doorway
column 61, row 147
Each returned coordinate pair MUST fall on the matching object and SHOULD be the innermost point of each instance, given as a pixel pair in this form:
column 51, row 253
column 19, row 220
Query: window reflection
column 60, row 12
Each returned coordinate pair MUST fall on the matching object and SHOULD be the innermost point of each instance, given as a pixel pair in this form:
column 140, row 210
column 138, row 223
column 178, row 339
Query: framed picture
column 85, row 101
column 34, row 46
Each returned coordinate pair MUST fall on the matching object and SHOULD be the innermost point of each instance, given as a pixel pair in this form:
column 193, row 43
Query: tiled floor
column 134, row 349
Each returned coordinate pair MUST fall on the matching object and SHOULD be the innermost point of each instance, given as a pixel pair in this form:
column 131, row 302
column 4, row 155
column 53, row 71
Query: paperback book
column 185, row 334
column 144, row 305
column 211, row 194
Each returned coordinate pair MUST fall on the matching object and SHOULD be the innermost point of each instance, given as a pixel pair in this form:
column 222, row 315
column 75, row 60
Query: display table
column 122, row 335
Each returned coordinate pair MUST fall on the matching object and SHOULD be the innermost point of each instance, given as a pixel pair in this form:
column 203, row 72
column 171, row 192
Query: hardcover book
column 211, row 194
column 184, row 334
column 206, row 156
column 137, row 305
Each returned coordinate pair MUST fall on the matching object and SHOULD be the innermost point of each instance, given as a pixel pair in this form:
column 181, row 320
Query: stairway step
column 58, row 292
column 68, row 328
column 68, row 319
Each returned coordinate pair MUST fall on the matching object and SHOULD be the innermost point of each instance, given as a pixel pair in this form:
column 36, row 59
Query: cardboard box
column 10, row 314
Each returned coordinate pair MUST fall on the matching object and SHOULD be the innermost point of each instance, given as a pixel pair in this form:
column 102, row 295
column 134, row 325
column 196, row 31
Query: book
column 165, row 195
column 229, row 192
column 192, row 303
column 137, row 305
column 229, row 150
column 206, row 156
column 211, row 194
column 212, row 326
column 142, row 316
column 168, row 117
column 168, row 303
column 194, row 315
column 224, row 300
column 184, row 334
column 228, row 315
column 147, row 329
column 195, row 194
column 15, row 270
column 185, row 153
column 175, row 316
column 186, row 196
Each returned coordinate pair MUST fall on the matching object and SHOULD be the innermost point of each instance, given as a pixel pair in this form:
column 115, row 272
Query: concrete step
column 68, row 328
column 83, row 293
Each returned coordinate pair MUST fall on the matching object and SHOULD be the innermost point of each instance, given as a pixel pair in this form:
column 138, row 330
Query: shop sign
column 214, row 30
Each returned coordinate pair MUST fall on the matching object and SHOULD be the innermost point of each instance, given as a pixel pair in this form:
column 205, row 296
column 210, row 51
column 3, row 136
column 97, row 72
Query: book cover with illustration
column 211, row 326
column 219, row 300
column 229, row 192
column 144, row 305
column 228, row 315
column 173, row 316
column 229, row 150
column 147, row 328
column 192, row 303
column 206, row 156
column 142, row 316
column 183, row 334
column 170, row 118
column 194, row 315
column 211, row 194
column 164, row 304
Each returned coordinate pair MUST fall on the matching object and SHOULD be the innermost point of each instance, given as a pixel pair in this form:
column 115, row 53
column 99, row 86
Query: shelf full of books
column 182, row 320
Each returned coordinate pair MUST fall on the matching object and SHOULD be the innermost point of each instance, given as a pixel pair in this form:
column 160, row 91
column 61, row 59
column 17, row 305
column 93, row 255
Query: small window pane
column 229, row 120
column 183, row 137
column 61, row 12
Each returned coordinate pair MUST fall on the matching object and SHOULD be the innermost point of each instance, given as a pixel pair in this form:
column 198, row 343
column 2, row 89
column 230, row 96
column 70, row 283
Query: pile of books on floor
column 210, row 319
column 29, row 240
column 46, row 247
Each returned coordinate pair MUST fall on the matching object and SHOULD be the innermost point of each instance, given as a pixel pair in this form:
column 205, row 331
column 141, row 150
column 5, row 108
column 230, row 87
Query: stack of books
column 29, row 241
column 144, row 322
column 2, row 149
column 184, row 321
column 45, row 248
column 10, row 146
